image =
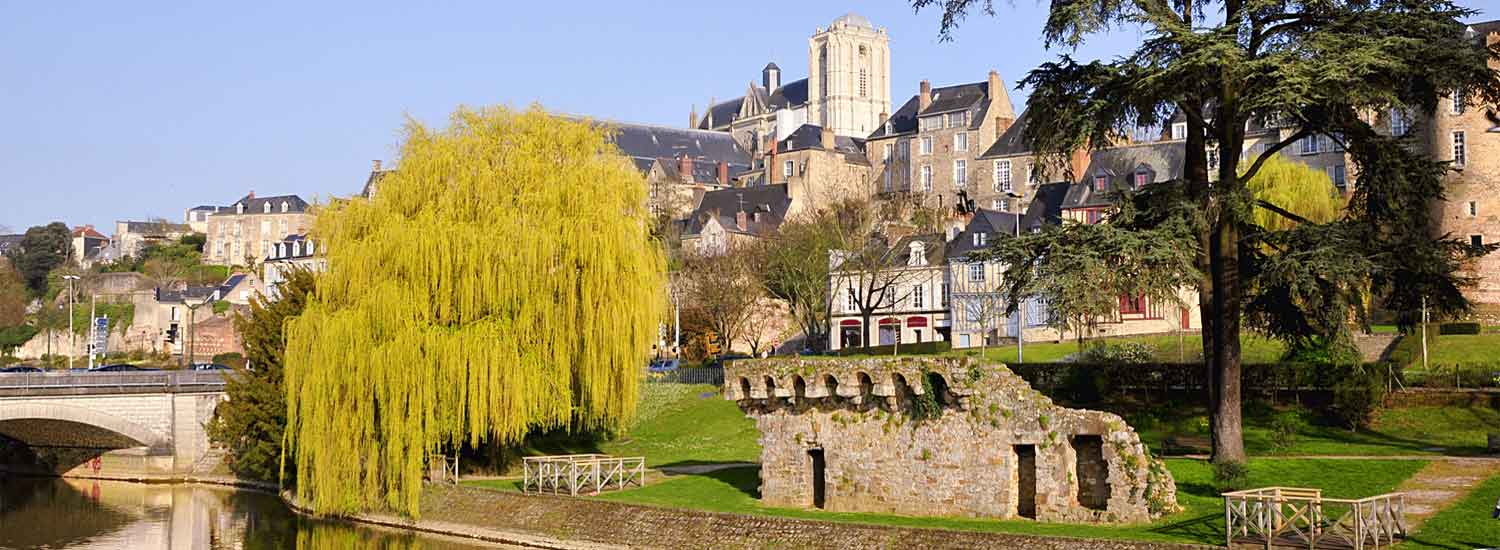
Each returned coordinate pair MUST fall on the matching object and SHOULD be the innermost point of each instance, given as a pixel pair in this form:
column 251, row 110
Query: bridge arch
column 82, row 415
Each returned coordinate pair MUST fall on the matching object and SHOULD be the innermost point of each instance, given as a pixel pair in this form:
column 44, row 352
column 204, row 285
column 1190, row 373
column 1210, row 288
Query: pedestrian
column 1496, row 513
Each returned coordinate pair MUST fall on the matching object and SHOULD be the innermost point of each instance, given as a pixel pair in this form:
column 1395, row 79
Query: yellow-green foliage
column 1296, row 187
column 501, row 279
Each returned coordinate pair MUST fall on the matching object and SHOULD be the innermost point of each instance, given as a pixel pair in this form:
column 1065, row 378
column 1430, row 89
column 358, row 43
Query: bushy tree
column 13, row 296
column 504, row 280
column 251, row 423
column 1318, row 68
column 721, row 293
column 42, row 249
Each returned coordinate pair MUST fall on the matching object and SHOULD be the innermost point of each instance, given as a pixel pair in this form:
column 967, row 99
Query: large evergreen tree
column 42, row 249
column 1319, row 67
column 504, row 279
column 252, row 422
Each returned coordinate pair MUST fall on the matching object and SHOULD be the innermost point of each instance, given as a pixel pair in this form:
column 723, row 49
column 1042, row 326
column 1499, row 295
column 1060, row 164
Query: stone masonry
column 940, row 437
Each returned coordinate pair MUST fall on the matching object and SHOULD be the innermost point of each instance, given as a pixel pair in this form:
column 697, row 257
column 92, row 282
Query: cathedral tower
column 849, row 84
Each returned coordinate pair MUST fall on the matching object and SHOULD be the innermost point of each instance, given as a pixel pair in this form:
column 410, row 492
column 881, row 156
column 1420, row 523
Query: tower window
column 1473, row 209
column 1459, row 154
column 1476, row 241
column 1459, row 101
column 864, row 82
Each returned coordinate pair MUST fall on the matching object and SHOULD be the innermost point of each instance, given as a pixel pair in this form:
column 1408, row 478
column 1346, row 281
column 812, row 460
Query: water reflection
column 78, row 514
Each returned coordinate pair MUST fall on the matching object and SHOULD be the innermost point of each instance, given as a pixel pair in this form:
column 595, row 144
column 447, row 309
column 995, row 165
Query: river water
column 78, row 514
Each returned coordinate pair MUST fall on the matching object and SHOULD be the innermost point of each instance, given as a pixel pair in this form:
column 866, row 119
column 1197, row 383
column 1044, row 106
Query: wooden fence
column 1302, row 518
column 587, row 473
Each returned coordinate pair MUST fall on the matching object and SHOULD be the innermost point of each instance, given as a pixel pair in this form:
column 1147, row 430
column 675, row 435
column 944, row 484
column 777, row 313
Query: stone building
column 88, row 244
column 132, row 237
column 819, row 168
column 293, row 252
column 905, row 289
column 1007, row 175
column 928, row 149
column 734, row 217
column 848, row 89
column 940, row 437
column 245, row 231
column 197, row 216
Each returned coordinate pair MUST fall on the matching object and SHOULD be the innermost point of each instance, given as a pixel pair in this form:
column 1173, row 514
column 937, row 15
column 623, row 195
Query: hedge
column 920, row 348
column 1085, row 383
column 1459, row 328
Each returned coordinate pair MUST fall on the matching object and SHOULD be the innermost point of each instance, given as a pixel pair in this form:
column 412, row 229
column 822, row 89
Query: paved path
column 1441, row 483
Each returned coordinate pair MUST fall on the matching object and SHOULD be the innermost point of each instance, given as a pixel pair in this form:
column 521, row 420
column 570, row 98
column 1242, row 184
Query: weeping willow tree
column 503, row 279
column 1302, row 190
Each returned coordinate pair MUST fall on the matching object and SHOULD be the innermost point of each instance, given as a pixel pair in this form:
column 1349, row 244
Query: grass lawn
column 1403, row 431
column 1169, row 348
column 1457, row 349
column 1466, row 524
column 1201, row 521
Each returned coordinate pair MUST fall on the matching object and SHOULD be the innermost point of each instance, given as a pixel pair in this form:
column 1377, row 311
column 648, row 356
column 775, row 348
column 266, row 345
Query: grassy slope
column 1168, row 348
column 1202, row 518
column 1405, row 431
column 1467, row 524
column 681, row 423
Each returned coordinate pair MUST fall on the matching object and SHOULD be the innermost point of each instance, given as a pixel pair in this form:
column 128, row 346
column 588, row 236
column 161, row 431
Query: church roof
column 790, row 95
column 644, row 144
column 772, row 66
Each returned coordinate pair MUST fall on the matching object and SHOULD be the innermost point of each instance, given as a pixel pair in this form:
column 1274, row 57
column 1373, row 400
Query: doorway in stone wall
column 1092, row 471
column 1026, row 481
column 817, row 477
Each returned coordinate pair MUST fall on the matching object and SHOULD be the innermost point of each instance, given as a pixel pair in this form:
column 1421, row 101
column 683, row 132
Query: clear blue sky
column 128, row 110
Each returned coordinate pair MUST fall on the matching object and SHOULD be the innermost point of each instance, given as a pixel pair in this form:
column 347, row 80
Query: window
column 1310, row 145
column 994, row 204
column 1142, row 178
column 864, row 81
column 1093, row 216
column 927, row 145
column 976, row 273
column 283, row 206
column 265, row 207
column 888, row 171
column 927, row 178
column 1476, row 241
column 1459, row 101
column 1459, row 155
column 973, row 313
column 1132, row 305
column 1002, row 176
column 1338, row 175
column 979, row 237
column 1004, row 205
column 918, row 297
column 1101, row 182
column 1473, row 209
column 958, row 119
column 944, row 296
column 283, row 229
column 961, row 141
column 850, row 302
column 1179, row 130
column 931, row 123
column 265, row 227
column 961, row 172
column 1400, row 122
column 787, row 168
column 889, row 148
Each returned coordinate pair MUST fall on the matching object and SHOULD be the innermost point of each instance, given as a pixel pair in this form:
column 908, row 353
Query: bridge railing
column 185, row 380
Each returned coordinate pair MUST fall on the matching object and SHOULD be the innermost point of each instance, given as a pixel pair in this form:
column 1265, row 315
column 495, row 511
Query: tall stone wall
column 940, row 437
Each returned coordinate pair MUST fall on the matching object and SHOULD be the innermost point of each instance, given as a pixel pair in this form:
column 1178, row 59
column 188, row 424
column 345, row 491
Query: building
column 735, row 216
column 293, row 252
column 372, row 183
column 1008, row 176
column 932, row 436
column 848, row 89
column 905, row 288
column 680, row 165
column 197, row 217
column 238, row 289
column 1468, row 135
column 819, row 168
column 977, row 300
column 88, row 245
column 928, row 150
column 244, row 232
column 133, row 237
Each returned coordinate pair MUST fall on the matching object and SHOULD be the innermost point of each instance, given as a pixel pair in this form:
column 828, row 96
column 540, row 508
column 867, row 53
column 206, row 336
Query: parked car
column 21, row 368
column 210, row 366
column 722, row 360
column 121, row 367
column 662, row 365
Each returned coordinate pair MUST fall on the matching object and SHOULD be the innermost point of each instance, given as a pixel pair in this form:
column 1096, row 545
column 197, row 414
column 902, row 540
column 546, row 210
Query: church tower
column 848, row 84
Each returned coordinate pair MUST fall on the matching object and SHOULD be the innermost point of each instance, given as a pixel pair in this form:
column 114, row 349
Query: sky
column 134, row 110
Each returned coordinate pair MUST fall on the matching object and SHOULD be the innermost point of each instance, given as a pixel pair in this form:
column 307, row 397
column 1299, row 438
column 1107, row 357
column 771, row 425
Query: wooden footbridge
column 1293, row 517
column 588, row 474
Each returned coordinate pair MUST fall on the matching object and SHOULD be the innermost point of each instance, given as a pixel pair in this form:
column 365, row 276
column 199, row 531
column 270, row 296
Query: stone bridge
column 129, row 424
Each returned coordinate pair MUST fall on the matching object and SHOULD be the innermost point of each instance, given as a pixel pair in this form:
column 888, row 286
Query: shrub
column 1459, row 328
column 1231, row 476
column 1359, row 392
column 1285, row 427
column 1115, row 354
column 220, row 307
column 233, row 359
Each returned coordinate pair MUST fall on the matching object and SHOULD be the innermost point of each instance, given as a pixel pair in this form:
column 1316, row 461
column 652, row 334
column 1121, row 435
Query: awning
column 916, row 321
column 849, row 323
column 890, row 321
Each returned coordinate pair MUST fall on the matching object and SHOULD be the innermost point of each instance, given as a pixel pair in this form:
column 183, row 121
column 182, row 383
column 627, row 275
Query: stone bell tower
column 848, row 85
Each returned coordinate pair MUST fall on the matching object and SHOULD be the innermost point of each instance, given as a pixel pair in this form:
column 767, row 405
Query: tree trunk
column 1229, row 443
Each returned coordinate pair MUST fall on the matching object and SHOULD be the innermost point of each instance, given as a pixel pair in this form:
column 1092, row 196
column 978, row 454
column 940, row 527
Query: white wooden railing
column 585, row 473
column 1303, row 518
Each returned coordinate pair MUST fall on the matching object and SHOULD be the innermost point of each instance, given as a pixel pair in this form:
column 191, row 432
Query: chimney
column 924, row 96
column 883, row 117
column 723, row 173
column 685, row 168
column 252, row 193
column 740, row 220
column 994, row 81
column 828, row 141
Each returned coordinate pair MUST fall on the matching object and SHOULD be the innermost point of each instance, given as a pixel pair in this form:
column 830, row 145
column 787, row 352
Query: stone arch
column 799, row 387
column 866, row 384
column 831, row 385
column 82, row 415
column 940, row 392
column 770, row 387
column 744, row 388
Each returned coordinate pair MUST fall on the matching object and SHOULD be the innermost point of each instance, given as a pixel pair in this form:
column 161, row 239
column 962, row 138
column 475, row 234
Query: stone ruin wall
column 878, row 456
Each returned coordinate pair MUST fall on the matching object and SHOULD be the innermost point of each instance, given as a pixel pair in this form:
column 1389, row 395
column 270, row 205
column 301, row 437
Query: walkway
column 1441, row 483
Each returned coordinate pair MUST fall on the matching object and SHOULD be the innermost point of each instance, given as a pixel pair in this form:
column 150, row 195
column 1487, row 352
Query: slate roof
column 993, row 223
column 1011, row 142
column 1486, row 27
column 644, row 144
column 157, row 228
column 809, row 136
column 934, row 245
column 789, row 95
column 208, row 208
column 256, row 205
column 1046, row 206
column 771, row 201
column 177, row 296
column 944, row 100
column 9, row 241
column 1163, row 159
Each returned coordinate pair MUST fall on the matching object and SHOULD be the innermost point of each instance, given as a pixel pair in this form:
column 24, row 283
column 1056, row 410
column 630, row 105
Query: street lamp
column 192, row 304
column 72, row 338
column 1021, row 310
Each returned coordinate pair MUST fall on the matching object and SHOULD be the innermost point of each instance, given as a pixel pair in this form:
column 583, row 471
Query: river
column 79, row 514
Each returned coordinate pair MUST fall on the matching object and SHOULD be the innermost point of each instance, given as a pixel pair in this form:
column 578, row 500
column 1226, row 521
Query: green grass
column 1455, row 349
column 1201, row 521
column 1403, row 431
column 1172, row 349
column 1466, row 524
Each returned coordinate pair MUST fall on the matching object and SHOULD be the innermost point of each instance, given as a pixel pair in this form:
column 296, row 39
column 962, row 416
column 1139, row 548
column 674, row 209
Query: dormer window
column 284, row 207
column 1142, row 178
column 1101, row 183
column 239, row 208
column 265, row 208
column 918, row 254
column 1179, row 130
column 979, row 237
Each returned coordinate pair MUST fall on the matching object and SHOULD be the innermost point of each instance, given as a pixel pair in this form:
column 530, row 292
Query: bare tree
column 720, row 292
